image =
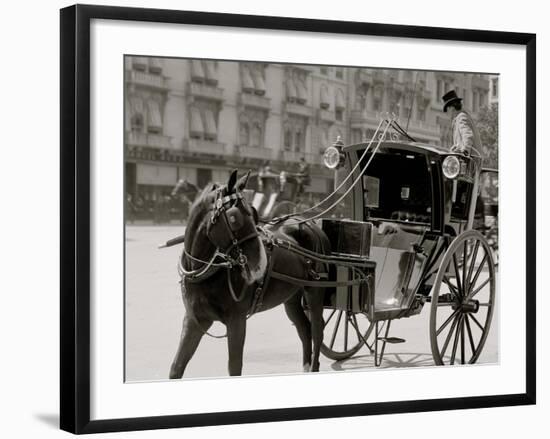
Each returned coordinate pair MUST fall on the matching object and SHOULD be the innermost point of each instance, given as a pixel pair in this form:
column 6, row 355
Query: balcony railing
column 150, row 140
column 300, row 110
column 251, row 100
column 479, row 82
column 206, row 91
column 364, row 117
column 146, row 79
column 205, row 146
column 326, row 115
column 256, row 152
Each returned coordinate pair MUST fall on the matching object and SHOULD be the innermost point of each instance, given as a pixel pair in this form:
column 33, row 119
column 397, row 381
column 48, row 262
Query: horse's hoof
column 307, row 367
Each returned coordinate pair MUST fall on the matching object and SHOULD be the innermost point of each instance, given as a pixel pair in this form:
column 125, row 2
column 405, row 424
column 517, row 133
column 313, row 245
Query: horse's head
column 231, row 227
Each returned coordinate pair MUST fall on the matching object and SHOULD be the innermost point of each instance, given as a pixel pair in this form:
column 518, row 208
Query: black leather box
column 349, row 237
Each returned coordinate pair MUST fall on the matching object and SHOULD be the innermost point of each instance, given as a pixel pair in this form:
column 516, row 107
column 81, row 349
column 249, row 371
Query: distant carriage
column 276, row 194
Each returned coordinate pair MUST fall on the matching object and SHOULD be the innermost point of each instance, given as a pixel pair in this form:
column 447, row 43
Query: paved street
column 154, row 312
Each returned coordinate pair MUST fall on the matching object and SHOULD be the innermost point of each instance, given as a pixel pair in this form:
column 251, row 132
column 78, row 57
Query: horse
column 225, row 253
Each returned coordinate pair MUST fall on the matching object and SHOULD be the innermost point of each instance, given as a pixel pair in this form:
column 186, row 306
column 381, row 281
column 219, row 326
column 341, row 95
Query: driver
column 465, row 135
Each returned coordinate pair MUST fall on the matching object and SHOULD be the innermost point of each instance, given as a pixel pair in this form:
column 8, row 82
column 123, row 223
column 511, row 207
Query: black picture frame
column 75, row 217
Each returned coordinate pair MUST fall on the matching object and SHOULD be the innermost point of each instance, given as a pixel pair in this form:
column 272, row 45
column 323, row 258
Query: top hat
column 450, row 98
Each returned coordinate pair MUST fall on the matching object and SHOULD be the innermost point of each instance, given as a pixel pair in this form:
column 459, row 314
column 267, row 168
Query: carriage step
column 392, row 340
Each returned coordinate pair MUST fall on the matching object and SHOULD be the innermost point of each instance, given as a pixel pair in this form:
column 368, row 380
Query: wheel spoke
column 478, row 289
column 330, row 317
column 472, row 265
column 457, row 274
column 346, row 333
column 448, row 339
column 464, row 264
column 479, row 269
column 444, row 325
column 452, row 287
column 354, row 323
column 455, row 342
column 477, row 323
column 335, row 330
column 462, row 341
column 470, row 336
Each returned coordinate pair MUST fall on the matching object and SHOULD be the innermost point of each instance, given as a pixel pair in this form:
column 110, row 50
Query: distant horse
column 185, row 188
column 224, row 263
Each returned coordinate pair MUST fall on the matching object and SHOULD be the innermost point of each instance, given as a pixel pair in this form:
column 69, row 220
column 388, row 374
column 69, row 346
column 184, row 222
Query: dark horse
column 225, row 262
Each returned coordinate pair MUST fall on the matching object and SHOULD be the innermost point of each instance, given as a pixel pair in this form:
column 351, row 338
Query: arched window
column 325, row 101
column 298, row 139
column 288, row 139
column 137, row 122
column 256, row 137
column 244, row 134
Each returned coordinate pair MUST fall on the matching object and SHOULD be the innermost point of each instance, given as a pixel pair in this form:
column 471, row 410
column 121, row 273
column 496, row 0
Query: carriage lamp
column 451, row 167
column 333, row 158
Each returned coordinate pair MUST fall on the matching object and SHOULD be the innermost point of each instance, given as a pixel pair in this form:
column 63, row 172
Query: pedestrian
column 465, row 134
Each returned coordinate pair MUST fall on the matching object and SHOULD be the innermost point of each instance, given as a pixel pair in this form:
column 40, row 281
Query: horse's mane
column 203, row 200
column 199, row 208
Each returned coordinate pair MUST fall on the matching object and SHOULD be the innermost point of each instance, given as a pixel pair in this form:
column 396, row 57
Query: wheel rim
column 345, row 333
column 463, row 300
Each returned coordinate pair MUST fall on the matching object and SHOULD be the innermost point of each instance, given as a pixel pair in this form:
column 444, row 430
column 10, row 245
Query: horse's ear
column 231, row 182
column 241, row 183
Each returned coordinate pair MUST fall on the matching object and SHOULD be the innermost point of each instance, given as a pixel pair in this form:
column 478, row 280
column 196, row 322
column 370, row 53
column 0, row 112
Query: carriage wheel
column 345, row 333
column 463, row 299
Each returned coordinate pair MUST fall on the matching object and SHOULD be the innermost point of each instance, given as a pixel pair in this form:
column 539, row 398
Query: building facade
column 198, row 119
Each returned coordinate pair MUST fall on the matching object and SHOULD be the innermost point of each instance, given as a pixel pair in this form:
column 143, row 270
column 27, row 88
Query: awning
column 156, row 175
column 325, row 101
column 155, row 65
column 340, row 100
column 291, row 93
column 248, row 84
column 139, row 62
column 154, row 119
column 197, row 72
column 302, row 92
column 259, row 84
column 210, row 128
column 211, row 73
column 197, row 129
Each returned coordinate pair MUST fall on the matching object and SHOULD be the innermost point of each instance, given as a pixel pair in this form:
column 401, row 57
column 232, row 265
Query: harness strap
column 317, row 283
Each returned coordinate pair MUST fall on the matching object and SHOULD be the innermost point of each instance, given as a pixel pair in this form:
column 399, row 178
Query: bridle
column 227, row 230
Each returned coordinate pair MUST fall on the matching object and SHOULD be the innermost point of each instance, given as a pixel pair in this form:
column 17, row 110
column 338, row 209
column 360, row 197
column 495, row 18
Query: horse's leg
column 314, row 298
column 295, row 313
column 236, row 332
column 191, row 334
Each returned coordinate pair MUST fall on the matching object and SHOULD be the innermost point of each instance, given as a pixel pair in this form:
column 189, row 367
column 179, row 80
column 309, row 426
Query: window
column 339, row 113
column 439, row 93
column 494, row 87
column 256, row 136
column 288, row 139
column 421, row 114
column 298, row 140
column 137, row 123
column 324, row 71
column 244, row 134
column 325, row 101
column 340, row 73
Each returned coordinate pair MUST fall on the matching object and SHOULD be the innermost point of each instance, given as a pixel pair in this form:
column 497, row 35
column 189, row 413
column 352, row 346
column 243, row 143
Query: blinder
column 228, row 227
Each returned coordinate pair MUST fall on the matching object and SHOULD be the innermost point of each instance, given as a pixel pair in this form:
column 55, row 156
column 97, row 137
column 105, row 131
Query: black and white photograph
column 292, row 218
